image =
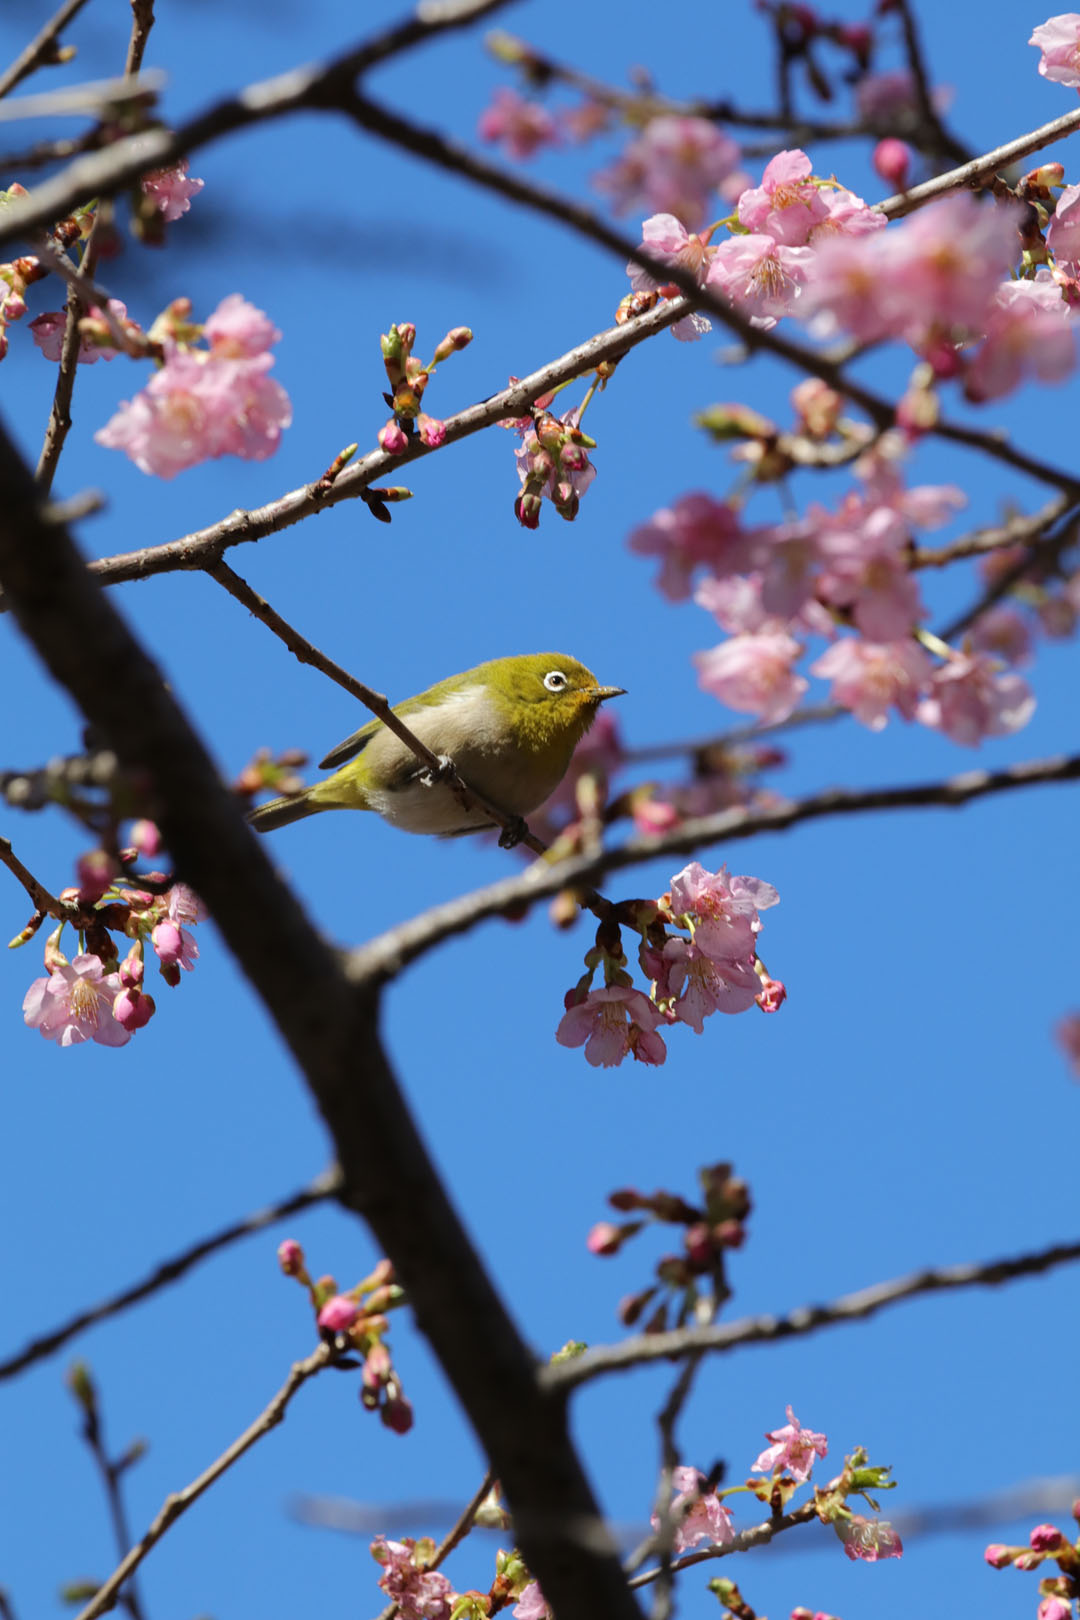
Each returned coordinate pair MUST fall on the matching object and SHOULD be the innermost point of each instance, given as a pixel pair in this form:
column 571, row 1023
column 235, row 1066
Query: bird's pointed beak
column 602, row 692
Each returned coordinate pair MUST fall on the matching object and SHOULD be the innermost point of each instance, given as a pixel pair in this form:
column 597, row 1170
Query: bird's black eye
column 555, row 680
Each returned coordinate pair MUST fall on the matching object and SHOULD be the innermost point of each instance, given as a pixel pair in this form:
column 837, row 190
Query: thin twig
column 1019, row 528
column 928, row 114
column 111, row 1473
column 385, row 955
column 59, row 423
column 179, row 1502
column 328, row 1185
column 142, row 20
column 39, row 50
column 645, row 1348
column 39, row 894
column 377, row 702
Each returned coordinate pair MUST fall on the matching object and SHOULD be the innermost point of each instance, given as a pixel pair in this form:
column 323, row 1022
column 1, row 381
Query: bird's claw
column 431, row 775
column 513, row 833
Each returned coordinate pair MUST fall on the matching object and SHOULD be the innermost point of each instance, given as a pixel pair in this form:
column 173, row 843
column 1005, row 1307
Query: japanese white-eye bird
column 510, row 727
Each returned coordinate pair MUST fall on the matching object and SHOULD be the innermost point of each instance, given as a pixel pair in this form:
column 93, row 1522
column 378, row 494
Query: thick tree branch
column 331, row 1027
column 385, row 955
column 693, row 1341
column 328, row 1185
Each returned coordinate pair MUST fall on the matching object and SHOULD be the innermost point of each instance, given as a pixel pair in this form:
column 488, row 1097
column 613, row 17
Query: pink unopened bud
column 1054, row 1608
column 432, row 430
column 699, row 1244
column 527, row 511
column 1046, row 1538
column 605, row 1238
column 566, row 500
column 290, row 1257
column 146, row 838
column 132, row 1009
column 95, row 871
column 398, row 1415
column 377, row 1366
column 168, row 943
column 1027, row 1560
column 1045, row 176
column 772, row 995
column 892, row 161
column 459, row 337
column 338, row 1314
column 393, row 439
column 131, row 968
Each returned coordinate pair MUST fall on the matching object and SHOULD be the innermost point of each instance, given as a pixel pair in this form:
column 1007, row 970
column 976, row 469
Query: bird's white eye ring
column 555, row 680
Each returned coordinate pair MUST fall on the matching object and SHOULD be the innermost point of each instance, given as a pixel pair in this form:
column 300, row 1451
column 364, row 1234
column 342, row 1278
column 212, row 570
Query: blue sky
column 899, row 1112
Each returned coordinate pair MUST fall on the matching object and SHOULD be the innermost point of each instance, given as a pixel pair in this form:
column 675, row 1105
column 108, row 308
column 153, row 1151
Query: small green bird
column 510, row 727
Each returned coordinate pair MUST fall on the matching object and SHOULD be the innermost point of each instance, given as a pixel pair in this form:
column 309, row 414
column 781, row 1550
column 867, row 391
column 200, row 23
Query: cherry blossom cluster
column 552, row 464
column 826, row 571
column 696, row 1515
column 690, row 1283
column 211, row 395
column 1059, row 1593
column 698, row 950
column 355, row 1322
column 19, row 274
column 408, row 377
column 95, row 996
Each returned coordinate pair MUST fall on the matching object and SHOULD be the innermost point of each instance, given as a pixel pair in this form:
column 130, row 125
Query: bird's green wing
column 359, row 740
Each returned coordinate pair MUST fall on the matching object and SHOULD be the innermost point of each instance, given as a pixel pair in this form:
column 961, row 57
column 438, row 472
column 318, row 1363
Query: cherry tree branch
column 383, row 957
column 42, row 900
column 1021, row 528
column 971, row 175
column 176, row 1504
column 447, row 154
column 40, row 50
column 327, row 1185
column 98, row 174
column 331, row 1027
column 205, row 547
column 142, row 20
column 692, row 1341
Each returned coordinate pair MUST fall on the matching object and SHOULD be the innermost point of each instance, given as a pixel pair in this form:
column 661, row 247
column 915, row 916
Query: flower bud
column 892, row 161
column 338, row 1314
column 397, row 1414
column 95, row 872
column 132, row 1009
column 290, row 1257
column 772, row 994
column 527, row 510
column 458, row 337
column 393, row 439
column 1046, row 1538
column 432, row 430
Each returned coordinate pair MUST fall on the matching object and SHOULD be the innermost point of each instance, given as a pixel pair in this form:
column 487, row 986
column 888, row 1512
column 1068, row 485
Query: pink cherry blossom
column 708, row 1519
column 1059, row 41
column 735, row 602
column 763, row 278
column 787, row 204
column 787, row 555
column 702, row 985
column 1063, row 231
column 1068, row 1038
column 184, row 906
column 969, row 700
column 237, row 330
column 886, row 99
column 172, row 189
column 753, row 674
column 697, row 531
column 612, row 1024
column 793, row 1450
column 772, row 995
column 198, row 407
column 1028, row 332
column 1003, row 632
column 1054, row 1608
column 845, row 215
column 869, row 1539
column 421, row 1594
column 48, row 330
column 665, row 238
column 531, row 1604
column 867, row 573
column 869, row 678
column 522, row 126
column 338, row 1314
column 723, row 909
column 75, row 1004
column 672, row 167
